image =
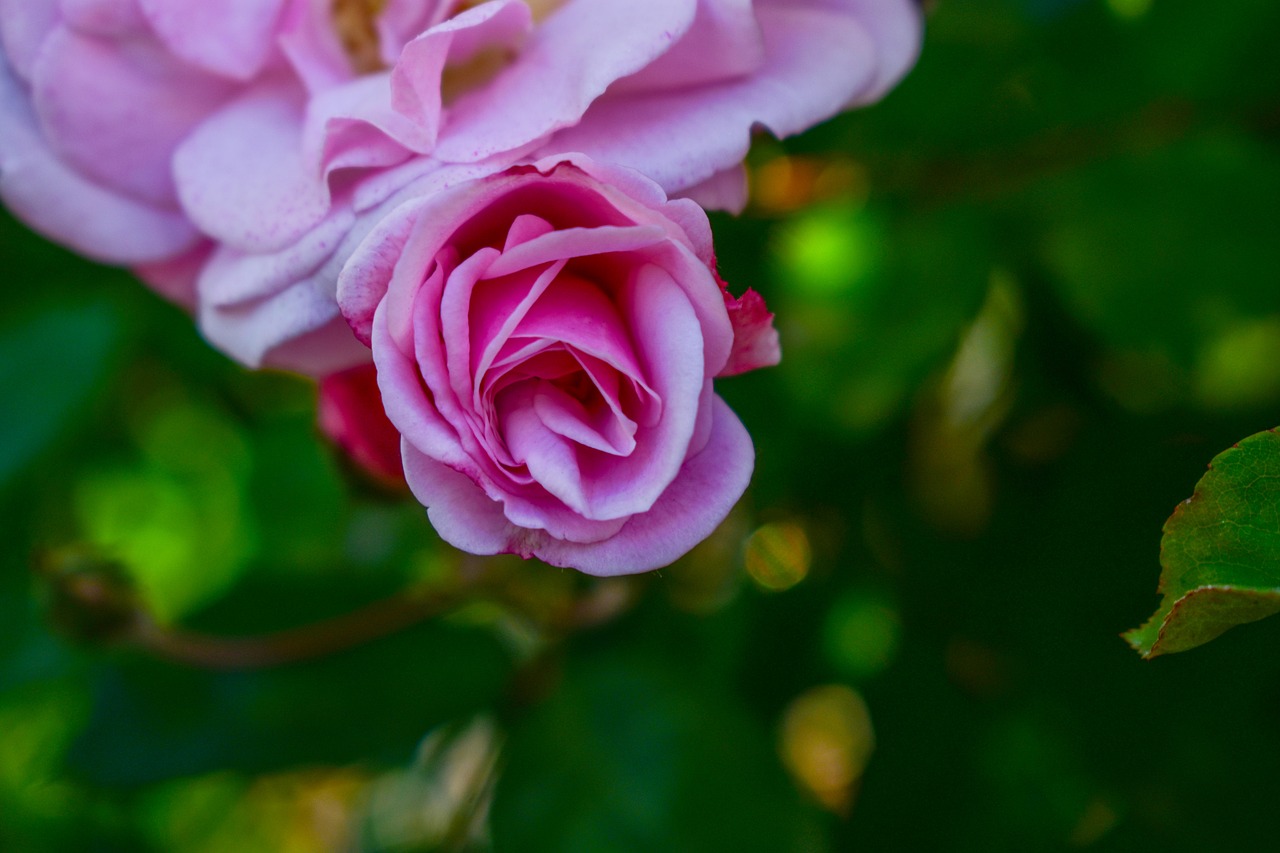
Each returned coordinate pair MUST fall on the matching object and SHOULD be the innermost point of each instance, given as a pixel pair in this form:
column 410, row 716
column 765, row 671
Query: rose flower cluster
column 492, row 210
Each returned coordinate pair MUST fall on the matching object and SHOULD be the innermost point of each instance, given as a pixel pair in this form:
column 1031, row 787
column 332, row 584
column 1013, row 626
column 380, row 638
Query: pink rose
column 545, row 340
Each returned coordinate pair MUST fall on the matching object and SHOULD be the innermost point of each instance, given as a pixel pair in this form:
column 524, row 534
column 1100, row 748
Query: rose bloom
column 545, row 341
column 235, row 151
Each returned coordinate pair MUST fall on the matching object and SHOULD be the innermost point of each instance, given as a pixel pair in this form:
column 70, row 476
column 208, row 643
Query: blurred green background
column 1023, row 302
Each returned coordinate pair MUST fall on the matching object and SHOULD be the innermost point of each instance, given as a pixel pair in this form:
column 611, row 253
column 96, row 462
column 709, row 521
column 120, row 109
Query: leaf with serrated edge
column 1220, row 552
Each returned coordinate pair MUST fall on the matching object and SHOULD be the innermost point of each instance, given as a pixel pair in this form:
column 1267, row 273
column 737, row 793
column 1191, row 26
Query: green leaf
column 1220, row 552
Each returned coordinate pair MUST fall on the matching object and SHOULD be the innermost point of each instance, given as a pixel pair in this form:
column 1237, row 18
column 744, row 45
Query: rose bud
column 350, row 413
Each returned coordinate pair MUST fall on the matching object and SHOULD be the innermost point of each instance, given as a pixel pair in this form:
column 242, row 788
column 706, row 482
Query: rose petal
column 232, row 38
column 367, row 275
column 97, row 17
column 116, row 111
column 355, row 126
column 725, row 190
column 401, row 21
column 576, row 312
column 364, row 278
column 693, row 276
column 324, row 349
column 310, row 43
column 234, row 276
column 65, row 206
column 408, row 407
column 240, row 177
column 619, row 189
column 267, row 330
column 460, row 511
column 817, row 61
column 536, row 359
column 550, row 456
column 668, row 340
column 418, row 72
column 525, row 228
column 24, row 25
column 507, row 301
column 541, row 92
column 447, row 323
column 896, row 27
column 724, row 42
column 175, row 278
column 439, row 351
column 576, row 243
column 608, row 431
column 629, row 400
column 695, row 503
column 755, row 340
column 467, row 518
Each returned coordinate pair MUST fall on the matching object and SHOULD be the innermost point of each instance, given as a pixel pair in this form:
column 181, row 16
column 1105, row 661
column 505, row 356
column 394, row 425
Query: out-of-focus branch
column 92, row 601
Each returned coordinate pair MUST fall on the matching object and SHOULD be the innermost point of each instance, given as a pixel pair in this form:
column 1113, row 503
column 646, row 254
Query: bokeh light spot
column 778, row 556
column 828, row 251
column 1130, row 9
column 1241, row 367
column 826, row 741
column 862, row 634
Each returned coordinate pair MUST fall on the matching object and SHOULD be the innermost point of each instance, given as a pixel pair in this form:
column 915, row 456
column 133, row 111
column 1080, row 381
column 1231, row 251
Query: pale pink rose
column 106, row 109
column 545, row 340
column 456, row 90
column 467, row 82
column 97, row 97
column 283, row 130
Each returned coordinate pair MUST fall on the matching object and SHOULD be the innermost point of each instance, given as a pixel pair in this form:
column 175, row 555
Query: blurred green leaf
column 629, row 756
column 52, row 362
column 176, row 519
column 1220, row 552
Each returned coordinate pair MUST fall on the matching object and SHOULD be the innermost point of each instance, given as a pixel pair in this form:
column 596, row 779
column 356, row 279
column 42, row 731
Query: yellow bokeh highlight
column 778, row 556
column 305, row 811
column 826, row 741
column 786, row 184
